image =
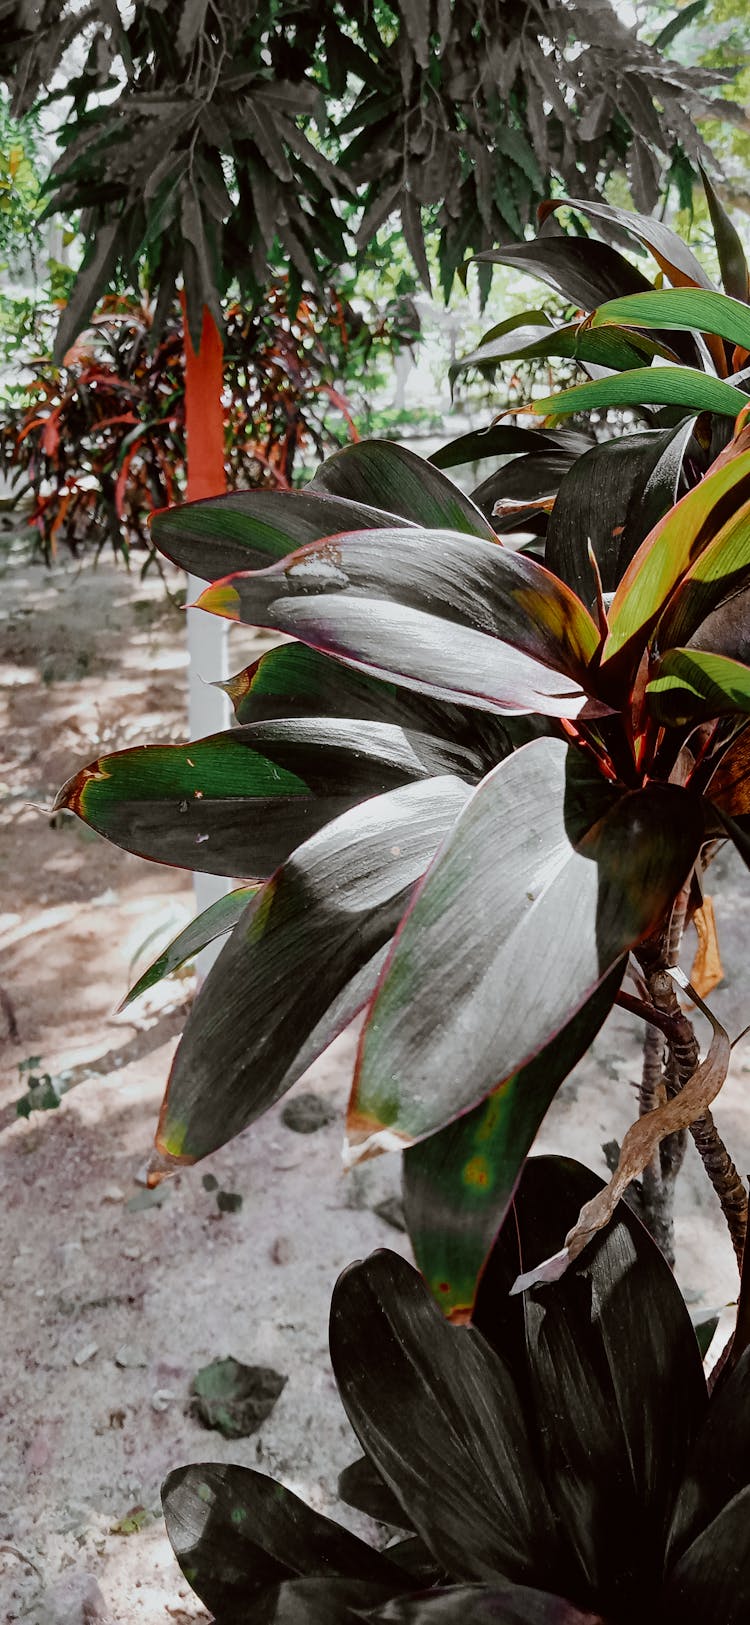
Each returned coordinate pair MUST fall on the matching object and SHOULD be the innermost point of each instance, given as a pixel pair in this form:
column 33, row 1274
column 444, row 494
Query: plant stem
column 656, row 1202
column 682, row 1059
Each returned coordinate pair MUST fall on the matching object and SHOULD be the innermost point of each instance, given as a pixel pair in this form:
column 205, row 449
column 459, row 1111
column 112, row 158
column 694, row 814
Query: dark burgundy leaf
column 609, row 1368
column 483, row 1605
column 439, row 1416
column 235, row 1531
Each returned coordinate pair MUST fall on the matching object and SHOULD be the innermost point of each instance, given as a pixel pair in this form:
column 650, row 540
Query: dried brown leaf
column 707, row 970
column 641, row 1141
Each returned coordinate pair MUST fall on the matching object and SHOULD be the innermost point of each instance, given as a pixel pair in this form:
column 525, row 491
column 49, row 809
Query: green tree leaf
column 647, row 386
column 690, row 685
column 699, row 309
column 667, row 554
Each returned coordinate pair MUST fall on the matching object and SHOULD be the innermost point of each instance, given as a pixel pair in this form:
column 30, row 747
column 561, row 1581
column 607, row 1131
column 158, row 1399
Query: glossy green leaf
column 459, row 1183
column 701, row 309
column 388, row 475
column 450, row 615
column 600, row 502
column 691, row 685
column 705, row 1322
column 247, row 530
column 300, row 963
column 549, row 876
column 669, row 250
column 235, row 1531
column 238, row 803
column 214, row 921
column 583, row 344
column 668, row 552
column 720, row 573
column 647, row 386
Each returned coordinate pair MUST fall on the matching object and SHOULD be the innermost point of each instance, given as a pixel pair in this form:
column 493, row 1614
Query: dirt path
column 109, row 1306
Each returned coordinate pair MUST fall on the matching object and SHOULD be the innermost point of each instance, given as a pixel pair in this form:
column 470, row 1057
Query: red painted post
column 204, row 411
column 208, row 709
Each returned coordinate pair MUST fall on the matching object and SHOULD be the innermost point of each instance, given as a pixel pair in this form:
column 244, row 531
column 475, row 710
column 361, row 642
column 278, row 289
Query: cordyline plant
column 559, row 1462
column 465, row 800
column 676, row 359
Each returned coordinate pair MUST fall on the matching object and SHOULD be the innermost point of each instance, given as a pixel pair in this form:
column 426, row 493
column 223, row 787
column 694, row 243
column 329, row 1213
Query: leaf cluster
column 557, row 1462
column 668, row 365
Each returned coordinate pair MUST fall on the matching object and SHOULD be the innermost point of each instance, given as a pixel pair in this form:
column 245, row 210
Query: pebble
column 74, row 1600
column 162, row 1399
column 86, row 1353
column 113, row 1193
column 129, row 1356
column 307, row 1113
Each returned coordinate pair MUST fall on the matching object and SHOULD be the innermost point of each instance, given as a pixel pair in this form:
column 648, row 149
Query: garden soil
column 110, row 1304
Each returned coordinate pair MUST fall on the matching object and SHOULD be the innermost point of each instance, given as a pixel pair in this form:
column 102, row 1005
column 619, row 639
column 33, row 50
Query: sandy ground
column 108, row 1310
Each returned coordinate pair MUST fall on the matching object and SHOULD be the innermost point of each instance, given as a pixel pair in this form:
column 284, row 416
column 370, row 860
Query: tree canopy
column 260, row 130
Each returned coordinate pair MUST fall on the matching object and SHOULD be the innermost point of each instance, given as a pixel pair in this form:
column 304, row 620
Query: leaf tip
column 219, row 599
column 552, row 1269
column 163, row 1165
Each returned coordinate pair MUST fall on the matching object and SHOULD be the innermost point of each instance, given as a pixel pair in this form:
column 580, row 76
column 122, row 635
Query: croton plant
column 458, row 800
column 559, row 1462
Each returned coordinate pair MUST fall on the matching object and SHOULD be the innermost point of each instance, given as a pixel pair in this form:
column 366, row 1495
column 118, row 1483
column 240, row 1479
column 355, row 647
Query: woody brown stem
column 683, row 1058
column 656, row 1194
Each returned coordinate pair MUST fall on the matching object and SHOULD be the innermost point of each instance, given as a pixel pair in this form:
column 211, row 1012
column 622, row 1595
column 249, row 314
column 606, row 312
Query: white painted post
column 208, row 712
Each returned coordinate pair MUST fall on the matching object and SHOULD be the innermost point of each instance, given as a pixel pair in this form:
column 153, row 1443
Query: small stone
column 281, row 1250
column 74, row 1600
column 131, row 1252
column 86, row 1353
column 128, row 1356
column 234, row 1398
column 162, row 1399
column 307, row 1113
column 228, row 1201
column 113, row 1193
